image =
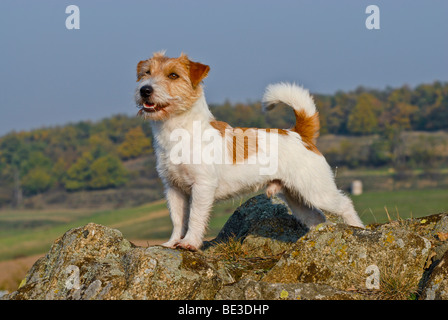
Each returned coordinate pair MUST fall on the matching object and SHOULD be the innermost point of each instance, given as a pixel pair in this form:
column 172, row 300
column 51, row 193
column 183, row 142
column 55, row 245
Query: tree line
column 80, row 156
column 359, row 112
column 91, row 155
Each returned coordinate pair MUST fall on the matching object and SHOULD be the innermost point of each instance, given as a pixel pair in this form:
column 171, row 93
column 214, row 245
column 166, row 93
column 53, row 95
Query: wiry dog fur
column 170, row 95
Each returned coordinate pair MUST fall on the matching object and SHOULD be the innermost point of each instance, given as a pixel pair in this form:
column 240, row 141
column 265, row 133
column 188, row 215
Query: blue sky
column 51, row 75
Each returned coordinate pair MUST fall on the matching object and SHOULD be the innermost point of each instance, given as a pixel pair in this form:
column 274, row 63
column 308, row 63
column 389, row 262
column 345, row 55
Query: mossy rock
column 350, row 258
column 436, row 287
column 95, row 262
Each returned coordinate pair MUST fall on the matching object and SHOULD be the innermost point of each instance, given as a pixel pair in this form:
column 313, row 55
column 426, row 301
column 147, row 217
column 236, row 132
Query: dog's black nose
column 146, row 91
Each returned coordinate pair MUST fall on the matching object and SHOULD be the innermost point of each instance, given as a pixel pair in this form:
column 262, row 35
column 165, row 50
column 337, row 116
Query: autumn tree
column 364, row 117
column 90, row 173
column 37, row 180
column 135, row 144
column 395, row 119
column 59, row 171
column 342, row 104
column 79, row 174
column 107, row 172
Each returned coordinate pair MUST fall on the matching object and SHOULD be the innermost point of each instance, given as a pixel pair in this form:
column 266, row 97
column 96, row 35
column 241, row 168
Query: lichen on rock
column 339, row 256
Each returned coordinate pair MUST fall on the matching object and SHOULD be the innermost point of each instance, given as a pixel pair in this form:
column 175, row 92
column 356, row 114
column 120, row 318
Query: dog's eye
column 173, row 76
column 148, row 72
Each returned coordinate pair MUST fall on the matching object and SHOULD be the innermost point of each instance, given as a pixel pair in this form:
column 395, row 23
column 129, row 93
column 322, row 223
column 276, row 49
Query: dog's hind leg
column 305, row 214
column 343, row 208
column 334, row 201
column 317, row 188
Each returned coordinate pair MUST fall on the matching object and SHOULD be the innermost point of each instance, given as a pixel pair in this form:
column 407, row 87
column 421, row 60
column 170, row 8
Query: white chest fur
column 176, row 140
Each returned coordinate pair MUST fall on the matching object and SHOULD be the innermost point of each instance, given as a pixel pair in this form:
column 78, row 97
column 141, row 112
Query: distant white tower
column 356, row 187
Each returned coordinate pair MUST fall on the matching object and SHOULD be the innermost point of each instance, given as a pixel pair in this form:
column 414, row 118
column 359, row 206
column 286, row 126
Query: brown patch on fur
column 279, row 131
column 308, row 128
column 198, row 71
column 240, row 148
column 141, row 69
column 221, row 126
column 244, row 143
column 241, row 143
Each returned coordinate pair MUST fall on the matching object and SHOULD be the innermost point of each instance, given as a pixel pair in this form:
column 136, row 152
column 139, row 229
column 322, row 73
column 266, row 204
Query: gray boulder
column 262, row 252
column 264, row 227
column 95, row 262
column 359, row 260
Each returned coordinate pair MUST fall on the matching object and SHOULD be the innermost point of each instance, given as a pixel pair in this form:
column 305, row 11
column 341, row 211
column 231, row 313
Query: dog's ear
column 198, row 72
column 140, row 69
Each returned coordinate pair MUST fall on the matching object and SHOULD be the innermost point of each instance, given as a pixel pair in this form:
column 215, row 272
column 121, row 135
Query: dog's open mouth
column 151, row 107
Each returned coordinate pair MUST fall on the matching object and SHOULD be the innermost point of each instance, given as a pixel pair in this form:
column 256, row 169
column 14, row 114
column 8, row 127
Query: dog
column 170, row 95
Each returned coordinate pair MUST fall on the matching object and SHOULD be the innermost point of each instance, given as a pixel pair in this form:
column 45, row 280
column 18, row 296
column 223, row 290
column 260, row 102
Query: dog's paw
column 171, row 244
column 188, row 245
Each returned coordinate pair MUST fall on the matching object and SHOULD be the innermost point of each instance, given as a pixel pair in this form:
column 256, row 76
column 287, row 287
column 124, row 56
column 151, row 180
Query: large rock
column 350, row 258
column 433, row 227
column 95, row 262
column 264, row 227
column 264, row 217
column 248, row 289
column 261, row 253
column 436, row 287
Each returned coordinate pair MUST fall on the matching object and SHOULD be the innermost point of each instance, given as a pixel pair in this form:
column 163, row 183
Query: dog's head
column 168, row 86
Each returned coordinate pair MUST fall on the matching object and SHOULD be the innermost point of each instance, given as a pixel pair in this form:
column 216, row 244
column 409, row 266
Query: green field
column 400, row 204
column 28, row 232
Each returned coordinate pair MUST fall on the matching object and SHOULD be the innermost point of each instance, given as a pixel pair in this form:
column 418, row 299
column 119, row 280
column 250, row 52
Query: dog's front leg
column 202, row 198
column 179, row 210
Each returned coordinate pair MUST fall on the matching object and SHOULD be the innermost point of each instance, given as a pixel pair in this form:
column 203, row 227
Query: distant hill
column 111, row 161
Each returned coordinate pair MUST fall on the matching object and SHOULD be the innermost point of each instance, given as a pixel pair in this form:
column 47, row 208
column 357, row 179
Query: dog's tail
column 307, row 118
